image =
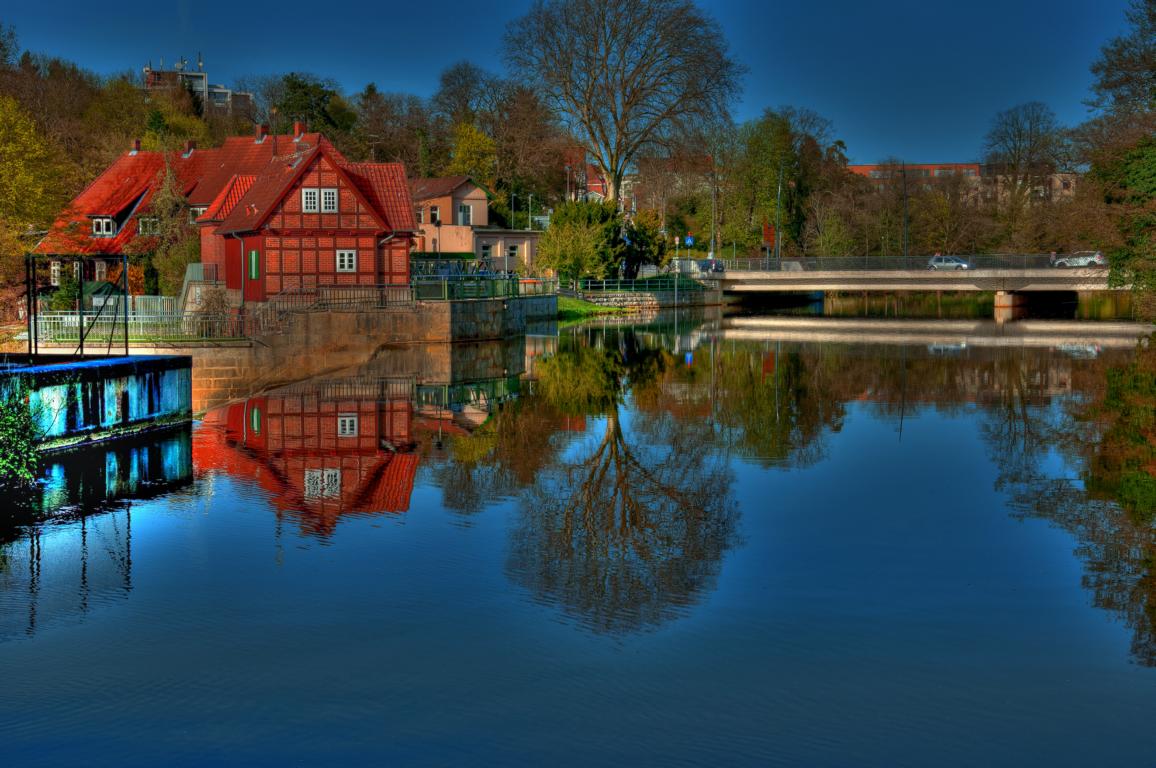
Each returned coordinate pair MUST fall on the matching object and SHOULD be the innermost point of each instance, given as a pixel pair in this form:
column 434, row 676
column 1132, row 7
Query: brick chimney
column 190, row 145
column 298, row 129
column 260, row 132
column 135, row 146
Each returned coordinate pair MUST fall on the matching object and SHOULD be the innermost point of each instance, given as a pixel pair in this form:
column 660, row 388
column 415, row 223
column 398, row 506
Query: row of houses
column 278, row 213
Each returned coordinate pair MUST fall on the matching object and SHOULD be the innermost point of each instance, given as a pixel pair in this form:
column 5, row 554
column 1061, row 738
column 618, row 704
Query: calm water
column 721, row 545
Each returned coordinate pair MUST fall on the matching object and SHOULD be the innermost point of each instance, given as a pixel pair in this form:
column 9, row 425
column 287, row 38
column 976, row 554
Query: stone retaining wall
column 653, row 300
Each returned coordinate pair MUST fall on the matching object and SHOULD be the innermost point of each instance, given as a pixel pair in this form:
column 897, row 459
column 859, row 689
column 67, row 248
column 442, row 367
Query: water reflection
column 630, row 528
column 67, row 546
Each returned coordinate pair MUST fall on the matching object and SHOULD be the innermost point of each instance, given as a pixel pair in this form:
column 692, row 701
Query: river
column 749, row 541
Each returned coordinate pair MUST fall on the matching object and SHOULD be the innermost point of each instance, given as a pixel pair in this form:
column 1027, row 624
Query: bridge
column 1073, row 335
column 1001, row 274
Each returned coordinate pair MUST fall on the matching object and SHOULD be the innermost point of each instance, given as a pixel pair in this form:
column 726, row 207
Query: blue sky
column 910, row 79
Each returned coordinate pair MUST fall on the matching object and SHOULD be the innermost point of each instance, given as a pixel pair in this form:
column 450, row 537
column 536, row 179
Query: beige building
column 453, row 215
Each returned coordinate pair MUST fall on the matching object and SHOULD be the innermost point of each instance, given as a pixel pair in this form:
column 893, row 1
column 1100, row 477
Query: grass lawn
column 576, row 309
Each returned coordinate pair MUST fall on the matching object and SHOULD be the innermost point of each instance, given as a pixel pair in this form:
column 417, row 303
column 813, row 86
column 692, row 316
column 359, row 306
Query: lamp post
column 530, row 211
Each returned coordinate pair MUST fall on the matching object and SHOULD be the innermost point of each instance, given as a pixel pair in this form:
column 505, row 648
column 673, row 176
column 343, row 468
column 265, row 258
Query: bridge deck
column 1047, row 279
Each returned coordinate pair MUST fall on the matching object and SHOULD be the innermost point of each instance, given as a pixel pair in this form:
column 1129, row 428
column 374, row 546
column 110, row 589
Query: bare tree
column 1024, row 145
column 625, row 74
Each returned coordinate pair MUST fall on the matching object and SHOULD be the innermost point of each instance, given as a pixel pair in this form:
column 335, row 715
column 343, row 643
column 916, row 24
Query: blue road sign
column 690, row 239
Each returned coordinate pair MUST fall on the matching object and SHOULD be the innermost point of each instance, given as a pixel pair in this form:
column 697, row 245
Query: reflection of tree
column 1111, row 434
column 502, row 456
column 624, row 535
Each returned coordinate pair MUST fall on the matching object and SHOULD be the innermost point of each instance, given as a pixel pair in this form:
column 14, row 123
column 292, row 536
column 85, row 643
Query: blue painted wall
column 97, row 398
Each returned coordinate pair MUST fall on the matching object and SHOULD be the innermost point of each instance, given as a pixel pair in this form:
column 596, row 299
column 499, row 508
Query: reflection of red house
column 319, row 457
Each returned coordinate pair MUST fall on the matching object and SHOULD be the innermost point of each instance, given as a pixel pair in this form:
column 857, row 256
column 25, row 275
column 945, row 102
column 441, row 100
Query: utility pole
column 530, row 211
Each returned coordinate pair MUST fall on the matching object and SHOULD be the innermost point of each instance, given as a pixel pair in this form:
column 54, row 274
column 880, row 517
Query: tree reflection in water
column 627, row 534
column 1109, row 432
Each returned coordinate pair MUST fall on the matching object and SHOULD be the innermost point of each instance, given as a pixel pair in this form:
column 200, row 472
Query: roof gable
column 379, row 187
column 427, row 189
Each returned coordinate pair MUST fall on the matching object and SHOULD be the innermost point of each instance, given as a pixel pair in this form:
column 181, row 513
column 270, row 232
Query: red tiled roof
column 228, row 197
column 243, row 155
column 240, row 181
column 202, row 175
column 384, row 185
column 425, row 189
column 267, row 190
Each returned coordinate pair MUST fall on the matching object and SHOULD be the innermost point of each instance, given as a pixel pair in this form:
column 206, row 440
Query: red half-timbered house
column 275, row 213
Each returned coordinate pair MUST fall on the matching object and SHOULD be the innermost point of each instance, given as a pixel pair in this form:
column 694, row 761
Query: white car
column 1080, row 259
column 947, row 262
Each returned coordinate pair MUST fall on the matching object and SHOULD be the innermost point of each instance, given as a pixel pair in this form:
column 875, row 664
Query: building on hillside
column 274, row 213
column 989, row 180
column 585, row 182
column 882, row 174
column 453, row 214
column 215, row 99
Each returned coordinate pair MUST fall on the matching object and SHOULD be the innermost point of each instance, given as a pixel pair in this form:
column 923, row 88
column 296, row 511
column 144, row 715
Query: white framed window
column 100, row 270
column 149, row 225
column 512, row 252
column 309, row 200
column 329, row 201
column 196, row 212
column 54, row 273
column 322, row 483
column 435, row 214
column 347, row 261
column 420, row 215
column 487, row 251
column 465, row 215
column 347, row 425
column 103, row 226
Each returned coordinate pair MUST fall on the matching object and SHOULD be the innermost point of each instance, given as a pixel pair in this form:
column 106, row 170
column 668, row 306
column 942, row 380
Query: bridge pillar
column 1008, row 305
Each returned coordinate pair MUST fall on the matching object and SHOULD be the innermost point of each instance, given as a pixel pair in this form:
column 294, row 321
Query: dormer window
column 196, row 212
column 329, row 201
column 148, row 225
column 103, row 226
column 309, row 200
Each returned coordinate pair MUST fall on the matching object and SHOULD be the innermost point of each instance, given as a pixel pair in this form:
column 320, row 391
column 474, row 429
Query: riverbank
column 570, row 308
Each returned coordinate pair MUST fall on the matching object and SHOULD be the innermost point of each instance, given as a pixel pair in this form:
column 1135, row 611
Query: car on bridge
column 1080, row 259
column 947, row 262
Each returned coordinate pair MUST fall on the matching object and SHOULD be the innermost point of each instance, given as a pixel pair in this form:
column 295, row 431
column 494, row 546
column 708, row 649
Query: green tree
column 472, row 154
column 32, row 183
column 17, row 437
column 584, row 240
column 644, row 243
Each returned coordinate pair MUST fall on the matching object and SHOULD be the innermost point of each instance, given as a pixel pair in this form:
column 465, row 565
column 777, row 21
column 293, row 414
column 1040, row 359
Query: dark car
column 712, row 265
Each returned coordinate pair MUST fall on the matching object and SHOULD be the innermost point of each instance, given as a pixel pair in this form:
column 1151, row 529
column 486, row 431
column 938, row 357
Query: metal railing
column 269, row 317
column 64, row 327
column 860, row 263
column 455, row 289
column 646, row 285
